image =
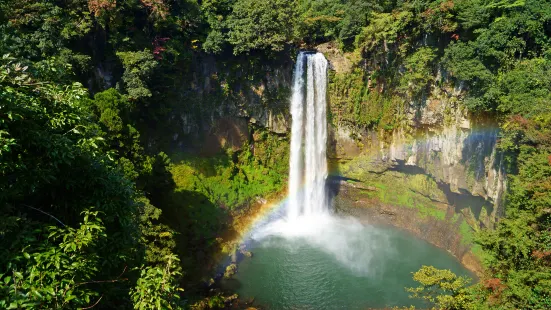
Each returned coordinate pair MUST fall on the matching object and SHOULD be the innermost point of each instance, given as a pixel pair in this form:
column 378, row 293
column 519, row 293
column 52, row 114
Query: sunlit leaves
column 384, row 29
column 55, row 273
column 138, row 67
column 55, row 168
column 257, row 25
column 419, row 71
column 443, row 288
column 156, row 288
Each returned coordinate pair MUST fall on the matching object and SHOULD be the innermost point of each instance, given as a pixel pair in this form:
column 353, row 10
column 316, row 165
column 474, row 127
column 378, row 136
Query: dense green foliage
column 443, row 288
column 499, row 52
column 233, row 183
column 260, row 25
column 520, row 246
column 77, row 228
column 74, row 229
column 94, row 214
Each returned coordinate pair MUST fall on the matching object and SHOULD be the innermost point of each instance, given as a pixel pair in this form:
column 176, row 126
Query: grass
column 467, row 233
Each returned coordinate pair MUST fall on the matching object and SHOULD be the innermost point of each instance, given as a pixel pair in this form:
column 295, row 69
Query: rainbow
column 275, row 210
column 267, row 213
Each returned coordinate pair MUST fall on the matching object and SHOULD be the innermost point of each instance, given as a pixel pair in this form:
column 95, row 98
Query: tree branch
column 48, row 214
column 92, row 306
column 100, row 281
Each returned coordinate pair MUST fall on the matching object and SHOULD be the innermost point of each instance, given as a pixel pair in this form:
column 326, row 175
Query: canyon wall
column 435, row 136
column 222, row 101
column 437, row 160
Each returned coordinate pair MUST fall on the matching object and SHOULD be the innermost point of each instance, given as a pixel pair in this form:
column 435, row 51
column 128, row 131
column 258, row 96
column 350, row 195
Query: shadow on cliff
column 253, row 89
column 465, row 200
column 335, row 177
column 462, row 200
column 478, row 146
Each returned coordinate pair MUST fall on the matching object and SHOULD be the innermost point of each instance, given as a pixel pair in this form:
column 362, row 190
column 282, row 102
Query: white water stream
column 307, row 256
column 308, row 163
column 306, row 215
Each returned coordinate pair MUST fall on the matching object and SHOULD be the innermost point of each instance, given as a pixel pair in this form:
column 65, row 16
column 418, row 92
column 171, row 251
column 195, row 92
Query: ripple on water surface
column 342, row 265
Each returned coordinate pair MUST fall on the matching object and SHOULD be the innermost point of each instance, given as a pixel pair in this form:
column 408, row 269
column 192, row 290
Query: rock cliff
column 436, row 137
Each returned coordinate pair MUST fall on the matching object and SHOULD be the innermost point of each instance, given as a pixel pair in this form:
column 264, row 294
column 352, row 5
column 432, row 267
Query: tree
column 138, row 68
column 442, row 287
column 419, row 72
column 264, row 25
column 70, row 232
column 216, row 12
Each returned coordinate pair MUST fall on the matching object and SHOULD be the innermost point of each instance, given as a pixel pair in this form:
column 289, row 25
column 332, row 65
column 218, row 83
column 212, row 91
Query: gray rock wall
column 439, row 137
column 236, row 89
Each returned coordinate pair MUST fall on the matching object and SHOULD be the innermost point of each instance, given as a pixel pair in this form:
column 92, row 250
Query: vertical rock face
column 226, row 133
column 465, row 159
column 437, row 137
column 455, row 151
column 442, row 140
column 257, row 94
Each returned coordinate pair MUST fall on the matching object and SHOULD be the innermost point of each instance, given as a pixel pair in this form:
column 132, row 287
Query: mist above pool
column 370, row 268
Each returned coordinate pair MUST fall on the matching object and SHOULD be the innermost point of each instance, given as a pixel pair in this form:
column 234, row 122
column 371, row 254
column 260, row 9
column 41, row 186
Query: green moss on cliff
column 232, row 178
column 418, row 192
column 357, row 101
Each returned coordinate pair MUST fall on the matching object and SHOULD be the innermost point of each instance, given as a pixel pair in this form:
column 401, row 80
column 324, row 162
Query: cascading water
column 306, row 216
column 307, row 257
column 308, row 162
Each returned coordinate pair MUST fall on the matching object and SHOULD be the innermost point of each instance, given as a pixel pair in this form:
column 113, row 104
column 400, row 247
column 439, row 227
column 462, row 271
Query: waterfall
column 306, row 217
column 308, row 161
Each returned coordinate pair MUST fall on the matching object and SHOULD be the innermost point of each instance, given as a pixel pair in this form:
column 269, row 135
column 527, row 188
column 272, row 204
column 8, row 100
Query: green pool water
column 362, row 267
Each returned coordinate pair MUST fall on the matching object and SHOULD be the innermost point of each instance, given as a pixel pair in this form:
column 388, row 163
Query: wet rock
column 261, row 200
column 387, row 212
column 277, row 123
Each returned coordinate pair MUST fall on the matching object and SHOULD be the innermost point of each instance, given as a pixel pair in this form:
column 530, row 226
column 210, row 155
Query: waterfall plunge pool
column 344, row 265
column 307, row 258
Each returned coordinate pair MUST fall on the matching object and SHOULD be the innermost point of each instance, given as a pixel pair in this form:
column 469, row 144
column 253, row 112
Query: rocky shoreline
column 351, row 200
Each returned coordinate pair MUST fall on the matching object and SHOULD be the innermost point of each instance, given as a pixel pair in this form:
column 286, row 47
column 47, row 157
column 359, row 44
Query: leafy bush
column 443, row 288
column 70, row 228
column 138, row 67
column 230, row 183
